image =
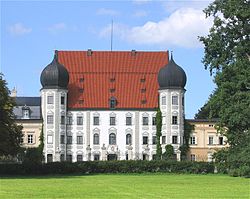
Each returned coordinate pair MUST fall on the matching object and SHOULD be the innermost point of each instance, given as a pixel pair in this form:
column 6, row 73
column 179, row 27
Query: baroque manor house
column 101, row 105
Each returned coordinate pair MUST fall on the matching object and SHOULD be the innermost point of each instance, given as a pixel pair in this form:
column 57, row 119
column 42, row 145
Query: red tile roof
column 124, row 72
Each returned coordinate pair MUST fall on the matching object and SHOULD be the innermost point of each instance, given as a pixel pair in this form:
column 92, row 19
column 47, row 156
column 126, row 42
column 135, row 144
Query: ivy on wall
column 158, row 134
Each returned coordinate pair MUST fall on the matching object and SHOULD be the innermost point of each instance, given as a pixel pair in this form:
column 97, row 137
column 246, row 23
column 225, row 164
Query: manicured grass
column 126, row 186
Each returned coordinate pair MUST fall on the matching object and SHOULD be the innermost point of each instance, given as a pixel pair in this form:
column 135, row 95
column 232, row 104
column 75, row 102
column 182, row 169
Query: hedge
column 94, row 167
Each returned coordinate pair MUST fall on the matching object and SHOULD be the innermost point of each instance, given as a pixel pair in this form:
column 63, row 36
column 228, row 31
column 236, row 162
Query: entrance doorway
column 112, row 157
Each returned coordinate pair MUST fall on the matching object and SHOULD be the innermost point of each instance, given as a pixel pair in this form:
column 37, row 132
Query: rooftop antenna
column 111, row 39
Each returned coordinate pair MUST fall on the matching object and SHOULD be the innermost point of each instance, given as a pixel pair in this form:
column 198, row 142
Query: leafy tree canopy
column 10, row 132
column 227, row 57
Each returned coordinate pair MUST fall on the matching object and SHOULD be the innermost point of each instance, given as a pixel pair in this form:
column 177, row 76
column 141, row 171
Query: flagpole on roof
column 111, row 39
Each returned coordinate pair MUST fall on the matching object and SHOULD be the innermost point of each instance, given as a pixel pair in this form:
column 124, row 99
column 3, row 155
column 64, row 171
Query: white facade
column 108, row 134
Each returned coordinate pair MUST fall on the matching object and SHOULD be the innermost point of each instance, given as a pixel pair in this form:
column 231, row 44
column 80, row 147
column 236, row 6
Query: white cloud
column 18, row 29
column 140, row 13
column 105, row 11
column 55, row 28
column 173, row 5
column 181, row 28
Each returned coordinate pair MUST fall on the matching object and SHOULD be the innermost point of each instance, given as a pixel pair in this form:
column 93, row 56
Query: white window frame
column 175, row 100
column 49, row 139
column 30, row 139
column 164, row 100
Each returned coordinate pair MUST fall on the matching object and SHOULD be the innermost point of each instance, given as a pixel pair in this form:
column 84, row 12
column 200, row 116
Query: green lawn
column 126, row 186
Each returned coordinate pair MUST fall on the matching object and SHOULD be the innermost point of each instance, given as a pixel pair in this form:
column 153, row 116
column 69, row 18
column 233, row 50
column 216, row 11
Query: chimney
column 133, row 52
column 13, row 93
column 89, row 52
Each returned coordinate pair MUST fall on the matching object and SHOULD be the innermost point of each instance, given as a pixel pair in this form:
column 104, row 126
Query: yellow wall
column 31, row 128
column 202, row 149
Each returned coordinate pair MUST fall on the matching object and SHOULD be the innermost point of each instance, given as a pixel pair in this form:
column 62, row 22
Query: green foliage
column 169, row 153
column 188, row 128
column 158, row 134
column 207, row 112
column 41, row 145
column 32, row 156
column 10, row 132
column 227, row 57
column 107, row 167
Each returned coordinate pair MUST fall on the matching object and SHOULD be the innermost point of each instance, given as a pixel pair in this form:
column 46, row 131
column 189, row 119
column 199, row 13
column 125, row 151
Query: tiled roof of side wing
column 28, row 101
column 130, row 77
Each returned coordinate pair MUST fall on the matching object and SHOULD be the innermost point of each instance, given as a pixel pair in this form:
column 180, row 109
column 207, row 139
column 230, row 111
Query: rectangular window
column 79, row 120
column 96, row 120
column 221, row 141
column 50, row 119
column 154, row 121
column 26, row 113
column 69, row 139
column 210, row 140
column 128, row 139
column 163, row 139
column 79, row 158
column 145, row 121
column 96, row 139
column 30, row 139
column 145, row 140
column 192, row 140
column 62, row 100
column 112, row 120
column 50, row 99
column 192, row 157
column 79, row 139
column 62, row 119
column 174, row 100
column 174, row 120
column 50, row 139
column 128, row 121
column 62, row 139
column 163, row 100
column 174, row 139
column 69, row 120
column 154, row 140
column 154, row 157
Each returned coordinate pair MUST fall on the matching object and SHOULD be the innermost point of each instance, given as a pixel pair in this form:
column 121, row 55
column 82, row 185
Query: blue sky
column 32, row 30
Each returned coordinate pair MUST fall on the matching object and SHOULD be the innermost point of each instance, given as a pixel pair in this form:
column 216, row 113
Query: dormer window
column 26, row 112
column 112, row 102
column 143, row 80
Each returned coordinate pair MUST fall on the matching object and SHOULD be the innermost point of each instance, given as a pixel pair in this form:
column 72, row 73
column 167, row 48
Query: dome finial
column 171, row 58
column 56, row 55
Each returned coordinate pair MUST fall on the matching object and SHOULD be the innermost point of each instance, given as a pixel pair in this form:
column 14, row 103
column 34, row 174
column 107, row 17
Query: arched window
column 128, row 139
column 96, row 138
column 112, row 139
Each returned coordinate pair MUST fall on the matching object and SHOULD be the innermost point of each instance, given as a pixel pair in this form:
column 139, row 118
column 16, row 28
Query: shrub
column 139, row 166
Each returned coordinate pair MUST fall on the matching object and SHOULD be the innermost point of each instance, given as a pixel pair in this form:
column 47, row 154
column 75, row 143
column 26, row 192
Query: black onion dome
column 172, row 76
column 55, row 75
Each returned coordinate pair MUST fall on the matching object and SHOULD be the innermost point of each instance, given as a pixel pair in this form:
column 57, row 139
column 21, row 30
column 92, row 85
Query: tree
column 158, row 134
column 184, row 148
column 227, row 57
column 169, row 153
column 206, row 111
column 10, row 132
